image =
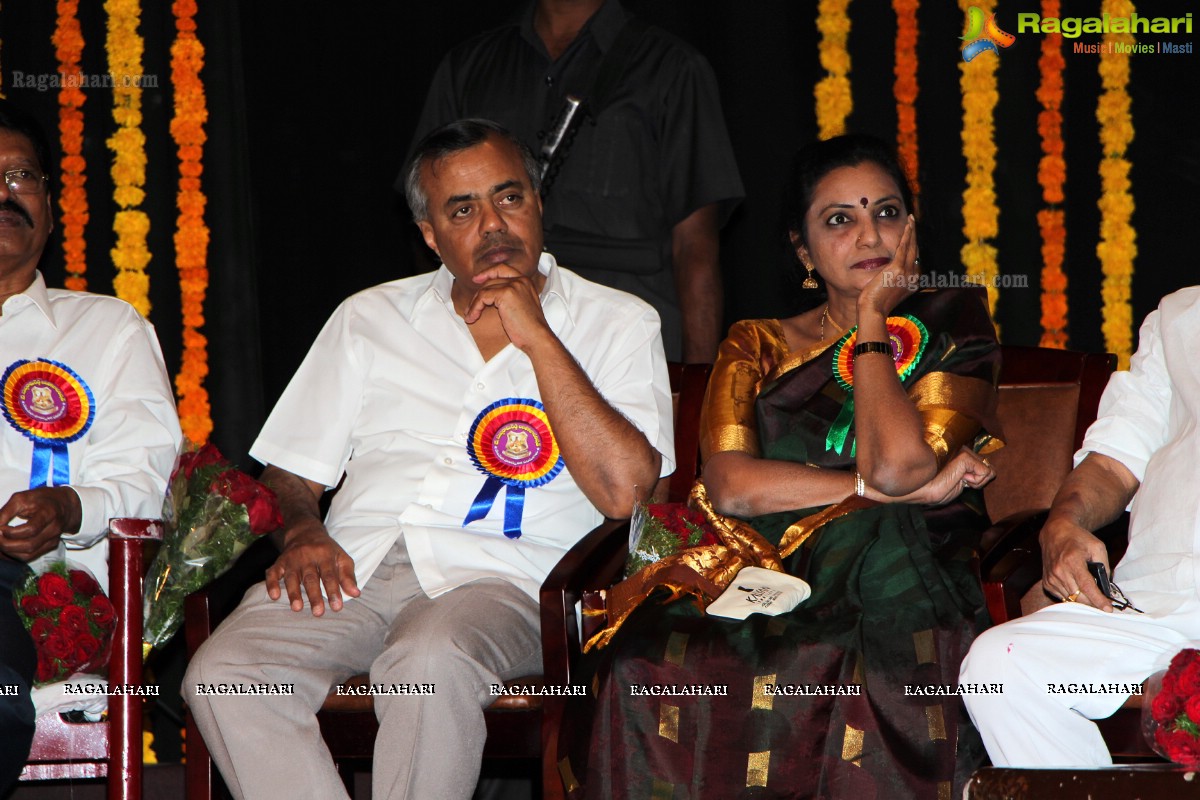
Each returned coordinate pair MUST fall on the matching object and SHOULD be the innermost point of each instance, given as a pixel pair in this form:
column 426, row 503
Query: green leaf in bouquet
column 206, row 532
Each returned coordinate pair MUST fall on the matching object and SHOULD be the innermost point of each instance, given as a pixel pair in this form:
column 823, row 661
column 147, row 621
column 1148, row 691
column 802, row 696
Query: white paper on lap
column 760, row 591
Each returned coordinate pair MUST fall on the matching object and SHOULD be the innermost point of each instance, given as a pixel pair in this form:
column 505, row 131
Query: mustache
column 497, row 240
column 9, row 205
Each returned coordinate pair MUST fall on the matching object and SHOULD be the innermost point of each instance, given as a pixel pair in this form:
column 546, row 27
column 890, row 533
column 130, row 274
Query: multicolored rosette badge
column 48, row 403
column 908, row 337
column 511, row 442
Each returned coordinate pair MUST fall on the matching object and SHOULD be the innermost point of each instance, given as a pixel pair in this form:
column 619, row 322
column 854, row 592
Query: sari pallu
column 832, row 699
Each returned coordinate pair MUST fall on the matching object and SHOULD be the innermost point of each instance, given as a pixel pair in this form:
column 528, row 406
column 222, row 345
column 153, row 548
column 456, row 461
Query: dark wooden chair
column 112, row 747
column 514, row 723
column 1147, row 781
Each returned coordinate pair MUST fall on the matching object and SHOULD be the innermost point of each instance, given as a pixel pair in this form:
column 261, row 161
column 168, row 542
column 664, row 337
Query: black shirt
column 657, row 152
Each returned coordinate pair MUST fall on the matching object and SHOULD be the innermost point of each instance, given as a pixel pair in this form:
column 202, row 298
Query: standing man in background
column 640, row 185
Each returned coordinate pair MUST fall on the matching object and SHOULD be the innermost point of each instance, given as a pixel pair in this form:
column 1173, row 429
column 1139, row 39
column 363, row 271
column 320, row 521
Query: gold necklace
column 825, row 316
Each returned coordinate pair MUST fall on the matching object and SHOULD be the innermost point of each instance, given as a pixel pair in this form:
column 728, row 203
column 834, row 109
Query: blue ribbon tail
column 514, row 505
column 62, row 465
column 51, row 466
column 484, row 500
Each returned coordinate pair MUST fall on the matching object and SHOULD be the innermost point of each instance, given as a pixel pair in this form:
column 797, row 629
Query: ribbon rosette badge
column 907, row 336
column 511, row 442
column 48, row 403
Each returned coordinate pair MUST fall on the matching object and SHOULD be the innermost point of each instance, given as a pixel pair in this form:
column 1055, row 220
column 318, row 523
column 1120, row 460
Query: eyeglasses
column 1110, row 589
column 25, row 181
column 1120, row 601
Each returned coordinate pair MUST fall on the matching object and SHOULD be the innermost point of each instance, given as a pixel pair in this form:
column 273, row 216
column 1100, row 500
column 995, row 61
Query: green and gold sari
column 837, row 698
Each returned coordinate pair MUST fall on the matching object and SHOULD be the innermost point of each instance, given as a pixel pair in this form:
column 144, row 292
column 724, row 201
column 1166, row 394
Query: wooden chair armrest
column 1011, row 563
column 127, row 542
column 999, row 538
column 594, row 563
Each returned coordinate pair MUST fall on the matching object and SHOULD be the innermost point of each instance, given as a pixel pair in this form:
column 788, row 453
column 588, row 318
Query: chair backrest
column 688, row 382
column 1048, row 398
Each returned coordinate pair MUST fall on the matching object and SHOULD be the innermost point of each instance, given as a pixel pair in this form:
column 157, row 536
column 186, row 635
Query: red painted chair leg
column 126, row 571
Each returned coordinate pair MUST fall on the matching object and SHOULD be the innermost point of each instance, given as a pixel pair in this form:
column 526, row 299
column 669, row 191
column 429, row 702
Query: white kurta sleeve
column 309, row 431
column 1131, row 423
column 634, row 381
column 133, row 441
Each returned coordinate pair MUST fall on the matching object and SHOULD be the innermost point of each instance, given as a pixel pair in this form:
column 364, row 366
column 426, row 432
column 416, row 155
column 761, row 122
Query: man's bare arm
column 308, row 555
column 610, row 459
column 695, row 261
column 1093, row 495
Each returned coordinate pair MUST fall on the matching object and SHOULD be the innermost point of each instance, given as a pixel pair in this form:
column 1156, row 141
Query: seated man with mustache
column 480, row 419
column 88, row 429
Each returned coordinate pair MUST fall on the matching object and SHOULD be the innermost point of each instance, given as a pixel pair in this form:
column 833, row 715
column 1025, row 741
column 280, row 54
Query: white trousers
column 1038, row 721
column 429, row 746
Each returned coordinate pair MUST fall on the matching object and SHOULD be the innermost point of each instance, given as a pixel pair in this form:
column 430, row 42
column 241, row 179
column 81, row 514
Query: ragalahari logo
column 983, row 34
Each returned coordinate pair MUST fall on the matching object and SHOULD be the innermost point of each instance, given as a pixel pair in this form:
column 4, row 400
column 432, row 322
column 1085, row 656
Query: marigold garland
column 906, row 88
column 128, row 144
column 191, row 233
column 834, row 99
column 980, row 214
column 72, row 198
column 1052, row 174
column 1117, row 248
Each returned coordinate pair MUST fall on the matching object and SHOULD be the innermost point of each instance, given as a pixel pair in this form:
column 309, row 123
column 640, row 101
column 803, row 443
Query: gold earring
column 810, row 282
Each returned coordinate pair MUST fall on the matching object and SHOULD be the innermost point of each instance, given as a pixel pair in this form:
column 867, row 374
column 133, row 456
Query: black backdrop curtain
column 312, row 106
column 235, row 381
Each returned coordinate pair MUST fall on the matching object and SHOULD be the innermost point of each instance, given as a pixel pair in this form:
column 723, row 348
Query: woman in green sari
column 843, row 446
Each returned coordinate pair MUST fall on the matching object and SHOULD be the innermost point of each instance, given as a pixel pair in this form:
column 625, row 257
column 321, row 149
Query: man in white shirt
column 481, row 419
column 1143, row 448
column 89, row 430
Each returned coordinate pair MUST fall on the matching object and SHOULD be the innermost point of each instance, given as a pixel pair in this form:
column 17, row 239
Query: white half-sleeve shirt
column 1149, row 420
column 388, row 394
column 120, row 466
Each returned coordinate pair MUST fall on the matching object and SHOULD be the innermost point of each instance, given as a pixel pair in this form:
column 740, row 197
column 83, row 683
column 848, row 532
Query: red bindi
column 863, row 200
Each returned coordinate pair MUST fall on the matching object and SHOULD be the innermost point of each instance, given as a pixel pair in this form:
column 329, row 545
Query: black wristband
column 873, row 347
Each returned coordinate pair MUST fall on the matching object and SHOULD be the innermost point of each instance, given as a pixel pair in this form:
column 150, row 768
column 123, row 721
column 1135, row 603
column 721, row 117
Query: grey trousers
column 429, row 746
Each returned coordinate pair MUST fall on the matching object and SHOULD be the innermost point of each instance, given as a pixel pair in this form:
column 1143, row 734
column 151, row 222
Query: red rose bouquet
column 657, row 530
column 212, row 513
column 71, row 621
column 1172, row 724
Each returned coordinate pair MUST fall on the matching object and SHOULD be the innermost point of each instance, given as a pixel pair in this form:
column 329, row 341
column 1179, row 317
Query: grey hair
column 454, row 138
